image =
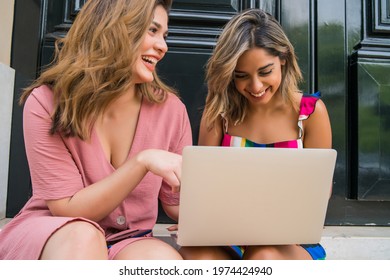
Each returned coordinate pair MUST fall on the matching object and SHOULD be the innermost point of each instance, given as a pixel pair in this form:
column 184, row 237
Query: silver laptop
column 254, row 196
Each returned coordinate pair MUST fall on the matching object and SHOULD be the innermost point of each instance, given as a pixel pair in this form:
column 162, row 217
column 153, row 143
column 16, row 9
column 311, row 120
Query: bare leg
column 204, row 253
column 76, row 240
column 282, row 252
column 148, row 249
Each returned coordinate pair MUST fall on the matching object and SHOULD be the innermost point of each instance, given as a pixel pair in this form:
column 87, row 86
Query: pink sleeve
column 184, row 139
column 53, row 172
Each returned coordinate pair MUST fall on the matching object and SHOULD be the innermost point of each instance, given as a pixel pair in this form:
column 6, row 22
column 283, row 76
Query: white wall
column 6, row 23
column 7, row 78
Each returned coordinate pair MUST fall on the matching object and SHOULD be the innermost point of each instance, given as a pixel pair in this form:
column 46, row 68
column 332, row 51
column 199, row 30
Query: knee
column 81, row 237
column 84, row 234
column 262, row 253
column 148, row 249
column 276, row 252
column 161, row 250
column 203, row 253
column 76, row 240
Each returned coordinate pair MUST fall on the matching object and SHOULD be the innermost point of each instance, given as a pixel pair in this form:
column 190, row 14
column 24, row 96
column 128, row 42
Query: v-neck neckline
column 134, row 144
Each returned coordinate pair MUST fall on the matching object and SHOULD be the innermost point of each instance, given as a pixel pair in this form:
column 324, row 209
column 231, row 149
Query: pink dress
column 61, row 166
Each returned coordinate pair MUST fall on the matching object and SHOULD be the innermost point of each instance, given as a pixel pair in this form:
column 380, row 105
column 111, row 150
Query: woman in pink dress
column 103, row 138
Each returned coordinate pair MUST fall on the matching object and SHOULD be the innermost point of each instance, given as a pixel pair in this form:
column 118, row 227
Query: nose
column 255, row 85
column 161, row 45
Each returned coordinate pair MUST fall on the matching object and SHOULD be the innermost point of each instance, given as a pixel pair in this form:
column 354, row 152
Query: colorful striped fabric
column 307, row 106
column 236, row 141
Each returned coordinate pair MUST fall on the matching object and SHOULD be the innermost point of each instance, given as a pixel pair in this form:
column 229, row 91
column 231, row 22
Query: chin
column 140, row 79
column 149, row 79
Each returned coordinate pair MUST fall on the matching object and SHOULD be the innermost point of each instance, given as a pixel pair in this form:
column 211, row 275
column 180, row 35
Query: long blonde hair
column 250, row 29
column 93, row 63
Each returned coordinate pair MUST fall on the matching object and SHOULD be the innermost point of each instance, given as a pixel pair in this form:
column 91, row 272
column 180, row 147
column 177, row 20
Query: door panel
column 25, row 61
column 374, row 130
column 372, row 106
column 343, row 49
column 330, row 78
column 298, row 27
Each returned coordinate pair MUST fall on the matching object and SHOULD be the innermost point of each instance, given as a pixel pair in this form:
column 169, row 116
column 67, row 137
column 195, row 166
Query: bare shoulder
column 317, row 128
column 210, row 136
column 320, row 108
column 320, row 114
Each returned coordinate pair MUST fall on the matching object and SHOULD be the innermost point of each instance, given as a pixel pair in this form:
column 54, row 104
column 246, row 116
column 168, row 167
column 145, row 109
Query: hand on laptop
column 173, row 228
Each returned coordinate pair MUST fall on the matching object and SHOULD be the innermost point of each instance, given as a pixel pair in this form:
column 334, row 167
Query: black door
column 344, row 52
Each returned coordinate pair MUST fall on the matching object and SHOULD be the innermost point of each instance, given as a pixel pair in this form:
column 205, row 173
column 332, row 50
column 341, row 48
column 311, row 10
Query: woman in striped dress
column 254, row 101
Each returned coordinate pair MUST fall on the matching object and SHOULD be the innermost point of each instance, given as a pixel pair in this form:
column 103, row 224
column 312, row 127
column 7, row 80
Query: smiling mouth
column 150, row 60
column 259, row 94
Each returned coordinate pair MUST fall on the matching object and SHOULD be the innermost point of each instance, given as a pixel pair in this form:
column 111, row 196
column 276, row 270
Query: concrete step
column 340, row 242
column 356, row 243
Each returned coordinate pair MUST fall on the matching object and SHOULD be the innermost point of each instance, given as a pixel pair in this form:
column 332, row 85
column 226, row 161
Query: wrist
column 142, row 159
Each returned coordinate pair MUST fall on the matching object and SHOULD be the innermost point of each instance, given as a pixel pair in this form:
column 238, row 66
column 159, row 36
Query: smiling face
column 153, row 47
column 258, row 75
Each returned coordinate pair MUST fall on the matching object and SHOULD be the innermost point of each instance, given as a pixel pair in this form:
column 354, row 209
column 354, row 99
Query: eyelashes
column 154, row 30
column 261, row 74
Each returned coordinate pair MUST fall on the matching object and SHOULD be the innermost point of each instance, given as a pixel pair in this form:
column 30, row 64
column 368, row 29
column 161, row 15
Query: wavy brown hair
column 252, row 28
column 93, row 63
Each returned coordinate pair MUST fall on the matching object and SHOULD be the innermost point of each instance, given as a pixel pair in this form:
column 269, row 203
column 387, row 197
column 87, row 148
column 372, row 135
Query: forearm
column 96, row 201
column 172, row 211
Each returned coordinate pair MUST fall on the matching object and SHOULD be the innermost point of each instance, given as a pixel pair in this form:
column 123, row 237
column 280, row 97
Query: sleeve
column 308, row 105
column 184, row 139
column 53, row 171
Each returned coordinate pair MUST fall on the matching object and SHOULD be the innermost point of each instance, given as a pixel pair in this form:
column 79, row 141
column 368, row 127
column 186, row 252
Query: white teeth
column 149, row 59
column 259, row 94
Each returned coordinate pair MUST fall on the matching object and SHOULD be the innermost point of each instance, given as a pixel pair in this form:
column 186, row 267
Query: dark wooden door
column 344, row 52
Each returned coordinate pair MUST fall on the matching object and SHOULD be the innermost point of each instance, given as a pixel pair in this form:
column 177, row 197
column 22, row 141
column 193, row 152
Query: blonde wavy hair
column 93, row 63
column 251, row 28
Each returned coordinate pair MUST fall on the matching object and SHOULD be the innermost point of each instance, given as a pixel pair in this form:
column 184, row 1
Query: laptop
column 254, row 196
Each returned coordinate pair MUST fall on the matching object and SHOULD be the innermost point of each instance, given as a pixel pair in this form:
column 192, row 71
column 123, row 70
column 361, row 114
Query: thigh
column 25, row 237
column 145, row 248
column 76, row 240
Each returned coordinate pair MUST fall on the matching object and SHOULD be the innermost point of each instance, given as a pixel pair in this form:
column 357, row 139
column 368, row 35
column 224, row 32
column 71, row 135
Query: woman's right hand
column 164, row 164
column 109, row 192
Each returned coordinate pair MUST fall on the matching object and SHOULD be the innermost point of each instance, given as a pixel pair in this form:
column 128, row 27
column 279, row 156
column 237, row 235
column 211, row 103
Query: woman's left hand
column 173, row 228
